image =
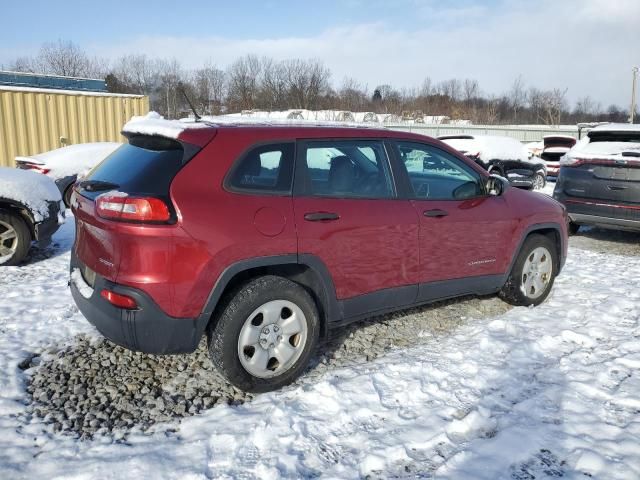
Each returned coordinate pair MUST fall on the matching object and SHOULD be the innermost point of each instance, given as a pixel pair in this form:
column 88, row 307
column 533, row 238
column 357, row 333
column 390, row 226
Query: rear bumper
column 46, row 228
column 601, row 213
column 147, row 329
column 606, row 222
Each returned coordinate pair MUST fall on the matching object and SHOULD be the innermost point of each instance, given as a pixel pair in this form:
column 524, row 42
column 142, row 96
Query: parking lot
column 441, row 368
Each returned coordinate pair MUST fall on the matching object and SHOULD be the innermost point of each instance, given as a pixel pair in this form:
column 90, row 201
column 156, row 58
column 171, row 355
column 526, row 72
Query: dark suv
column 266, row 237
column 599, row 179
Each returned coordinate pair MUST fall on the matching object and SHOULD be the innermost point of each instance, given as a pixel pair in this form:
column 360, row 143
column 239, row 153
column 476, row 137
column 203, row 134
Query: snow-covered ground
column 534, row 393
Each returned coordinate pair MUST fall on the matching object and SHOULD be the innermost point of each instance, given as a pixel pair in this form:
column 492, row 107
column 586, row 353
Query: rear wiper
column 97, row 185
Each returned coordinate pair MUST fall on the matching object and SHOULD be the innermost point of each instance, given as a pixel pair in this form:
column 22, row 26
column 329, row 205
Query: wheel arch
column 22, row 211
column 551, row 231
column 306, row 270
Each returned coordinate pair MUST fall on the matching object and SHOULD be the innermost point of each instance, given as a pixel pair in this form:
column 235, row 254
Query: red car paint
column 375, row 244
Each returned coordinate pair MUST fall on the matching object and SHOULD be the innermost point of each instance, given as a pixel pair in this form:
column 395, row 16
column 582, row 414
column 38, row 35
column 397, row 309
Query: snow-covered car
column 503, row 156
column 64, row 165
column 31, row 209
column 555, row 147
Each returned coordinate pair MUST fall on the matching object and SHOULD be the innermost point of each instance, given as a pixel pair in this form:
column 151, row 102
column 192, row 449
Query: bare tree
column 353, row 96
column 243, row 81
column 273, row 95
column 553, row 103
column 209, row 88
column 517, row 96
column 306, row 81
column 60, row 58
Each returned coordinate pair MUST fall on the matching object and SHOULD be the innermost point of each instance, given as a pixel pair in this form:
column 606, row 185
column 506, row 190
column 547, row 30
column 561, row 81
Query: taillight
column 135, row 209
column 568, row 161
column 35, row 168
column 118, row 300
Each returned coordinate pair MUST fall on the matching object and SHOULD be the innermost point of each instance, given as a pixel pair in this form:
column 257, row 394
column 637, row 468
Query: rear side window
column 266, row 168
column 146, row 165
column 346, row 169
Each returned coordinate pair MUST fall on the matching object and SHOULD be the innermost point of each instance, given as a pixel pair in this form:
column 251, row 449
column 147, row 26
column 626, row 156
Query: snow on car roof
column 617, row 127
column 31, row 189
column 603, row 150
column 568, row 137
column 489, row 147
column 155, row 124
column 73, row 159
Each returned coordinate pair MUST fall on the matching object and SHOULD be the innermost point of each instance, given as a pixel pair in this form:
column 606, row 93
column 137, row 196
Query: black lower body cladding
column 147, row 329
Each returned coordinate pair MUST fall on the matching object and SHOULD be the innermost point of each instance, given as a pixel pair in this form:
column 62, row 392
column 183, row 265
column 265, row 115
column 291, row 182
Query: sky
column 586, row 46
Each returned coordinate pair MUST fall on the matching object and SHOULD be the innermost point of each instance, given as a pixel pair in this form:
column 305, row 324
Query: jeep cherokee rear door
column 348, row 215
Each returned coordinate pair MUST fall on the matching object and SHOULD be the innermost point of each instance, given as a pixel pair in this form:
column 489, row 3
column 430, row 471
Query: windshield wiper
column 97, row 185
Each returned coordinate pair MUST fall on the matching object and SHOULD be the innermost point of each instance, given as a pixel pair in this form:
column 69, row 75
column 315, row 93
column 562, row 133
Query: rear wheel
column 15, row 239
column 265, row 334
column 533, row 272
column 539, row 181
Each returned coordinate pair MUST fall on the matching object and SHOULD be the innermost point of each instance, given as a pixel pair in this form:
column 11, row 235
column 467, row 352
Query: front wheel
column 533, row 272
column 265, row 335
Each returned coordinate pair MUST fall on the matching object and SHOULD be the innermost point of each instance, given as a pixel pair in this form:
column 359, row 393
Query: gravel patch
column 94, row 387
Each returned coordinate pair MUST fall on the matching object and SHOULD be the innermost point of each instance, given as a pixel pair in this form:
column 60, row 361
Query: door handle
column 321, row 216
column 436, row 212
column 616, row 188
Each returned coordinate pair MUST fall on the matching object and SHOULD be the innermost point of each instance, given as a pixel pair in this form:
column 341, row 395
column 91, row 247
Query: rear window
column 621, row 136
column 146, row 165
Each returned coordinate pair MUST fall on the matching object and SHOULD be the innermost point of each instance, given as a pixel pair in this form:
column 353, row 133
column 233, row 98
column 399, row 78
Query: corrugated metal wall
column 35, row 121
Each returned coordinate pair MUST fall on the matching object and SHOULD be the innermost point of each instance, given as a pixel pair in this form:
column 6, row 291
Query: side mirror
column 496, row 185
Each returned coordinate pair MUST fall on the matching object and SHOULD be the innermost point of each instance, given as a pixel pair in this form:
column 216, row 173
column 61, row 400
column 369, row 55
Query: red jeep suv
column 266, row 237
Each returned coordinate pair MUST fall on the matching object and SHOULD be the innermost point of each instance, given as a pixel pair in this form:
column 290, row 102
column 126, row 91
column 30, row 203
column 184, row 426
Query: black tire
column 573, row 228
column 512, row 291
column 23, row 237
column 223, row 337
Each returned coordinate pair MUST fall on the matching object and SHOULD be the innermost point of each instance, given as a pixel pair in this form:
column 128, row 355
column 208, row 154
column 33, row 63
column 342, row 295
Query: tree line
column 262, row 83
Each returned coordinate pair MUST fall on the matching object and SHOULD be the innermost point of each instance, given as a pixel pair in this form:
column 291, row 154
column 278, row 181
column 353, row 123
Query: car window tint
column 347, row 169
column 438, row 175
column 267, row 168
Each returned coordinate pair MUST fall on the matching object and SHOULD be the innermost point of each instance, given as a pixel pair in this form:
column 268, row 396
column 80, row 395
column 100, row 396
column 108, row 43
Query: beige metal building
column 35, row 120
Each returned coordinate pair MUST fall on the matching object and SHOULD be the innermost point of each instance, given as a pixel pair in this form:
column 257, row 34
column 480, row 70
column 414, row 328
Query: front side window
column 266, row 168
column 347, row 169
column 437, row 175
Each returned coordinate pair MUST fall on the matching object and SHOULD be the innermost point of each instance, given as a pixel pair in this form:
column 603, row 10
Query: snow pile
column 31, row 189
column 489, row 147
column 551, row 391
column 155, row 124
column 72, row 160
